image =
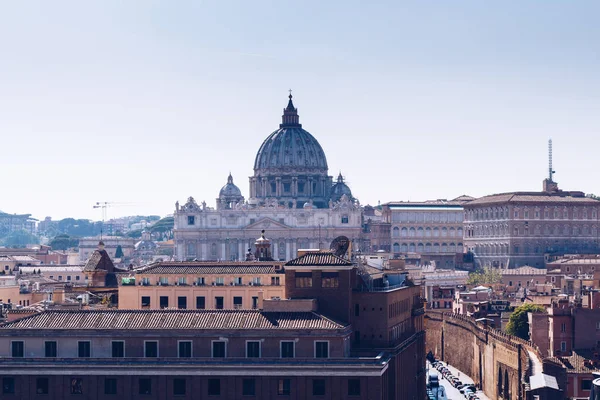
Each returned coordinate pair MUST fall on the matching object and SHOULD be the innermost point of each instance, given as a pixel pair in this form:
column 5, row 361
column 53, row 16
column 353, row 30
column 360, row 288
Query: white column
column 241, row 250
column 223, row 251
column 288, row 252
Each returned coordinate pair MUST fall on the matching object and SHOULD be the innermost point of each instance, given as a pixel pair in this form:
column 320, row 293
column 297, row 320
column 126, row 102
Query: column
column 288, row 250
column 241, row 250
column 279, row 189
column 223, row 251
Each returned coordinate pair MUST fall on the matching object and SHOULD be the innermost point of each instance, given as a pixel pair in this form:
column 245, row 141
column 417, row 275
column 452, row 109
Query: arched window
column 444, row 232
column 404, row 232
column 420, row 232
column 444, row 248
column 459, row 233
column 427, row 232
column 213, row 250
column 436, row 247
column 452, row 248
column 452, row 232
column 412, row 247
column 396, row 248
column 412, row 232
column 420, row 248
column 428, row 247
column 404, row 247
column 396, row 232
column 506, row 389
column 436, row 232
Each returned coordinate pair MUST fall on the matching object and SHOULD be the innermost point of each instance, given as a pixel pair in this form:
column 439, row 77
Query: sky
column 143, row 103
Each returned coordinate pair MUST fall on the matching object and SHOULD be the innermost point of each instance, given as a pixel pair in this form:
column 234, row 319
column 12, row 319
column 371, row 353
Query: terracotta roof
column 525, row 270
column 534, row 197
column 319, row 259
column 576, row 364
column 173, row 319
column 165, row 268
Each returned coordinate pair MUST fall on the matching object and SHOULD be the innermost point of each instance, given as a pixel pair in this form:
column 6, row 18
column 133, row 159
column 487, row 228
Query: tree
column 119, row 252
column 487, row 276
column 518, row 324
column 164, row 227
column 20, row 238
column 136, row 234
column 63, row 242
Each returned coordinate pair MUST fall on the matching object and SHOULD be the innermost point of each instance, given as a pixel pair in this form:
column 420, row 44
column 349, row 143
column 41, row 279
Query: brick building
column 338, row 334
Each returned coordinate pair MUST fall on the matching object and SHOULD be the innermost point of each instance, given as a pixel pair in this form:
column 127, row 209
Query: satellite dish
column 339, row 246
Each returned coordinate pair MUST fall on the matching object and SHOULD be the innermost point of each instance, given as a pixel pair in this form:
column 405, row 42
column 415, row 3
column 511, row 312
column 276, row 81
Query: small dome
column 339, row 189
column 230, row 189
column 308, row 206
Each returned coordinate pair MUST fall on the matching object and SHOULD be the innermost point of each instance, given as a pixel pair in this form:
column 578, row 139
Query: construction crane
column 104, row 205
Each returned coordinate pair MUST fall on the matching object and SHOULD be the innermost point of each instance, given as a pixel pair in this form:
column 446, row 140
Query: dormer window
column 191, row 220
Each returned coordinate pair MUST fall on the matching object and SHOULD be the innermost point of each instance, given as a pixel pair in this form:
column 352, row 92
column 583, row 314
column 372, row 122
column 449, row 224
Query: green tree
column 518, row 324
column 487, row 276
column 20, row 238
column 119, row 252
column 164, row 227
column 136, row 234
column 63, row 242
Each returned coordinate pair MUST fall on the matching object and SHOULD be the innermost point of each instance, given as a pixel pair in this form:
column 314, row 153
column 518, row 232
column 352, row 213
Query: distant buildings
column 88, row 245
column 510, row 230
column 16, row 222
column 430, row 227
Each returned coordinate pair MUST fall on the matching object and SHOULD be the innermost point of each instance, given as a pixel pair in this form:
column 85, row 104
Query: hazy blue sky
column 149, row 102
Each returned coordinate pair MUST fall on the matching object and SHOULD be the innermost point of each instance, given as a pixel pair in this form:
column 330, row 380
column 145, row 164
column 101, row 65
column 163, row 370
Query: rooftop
column 197, row 267
column 319, row 259
column 576, row 363
column 535, row 197
column 525, row 270
column 173, row 319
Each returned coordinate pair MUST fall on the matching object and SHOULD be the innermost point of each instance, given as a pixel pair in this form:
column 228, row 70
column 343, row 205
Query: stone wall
column 498, row 363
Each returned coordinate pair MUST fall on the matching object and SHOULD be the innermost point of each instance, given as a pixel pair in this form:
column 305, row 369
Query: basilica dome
column 230, row 189
column 339, row 189
column 290, row 147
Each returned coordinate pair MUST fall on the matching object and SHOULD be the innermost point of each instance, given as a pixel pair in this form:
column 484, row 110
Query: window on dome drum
column 253, row 349
column 284, row 387
column 318, row 387
column 17, row 349
column 8, row 385
column 184, row 349
column 219, row 349
column 214, row 387
column 330, row 279
column 76, row 386
column 248, row 387
column 191, row 220
column 353, row 387
column 321, row 349
column 84, row 349
column 118, row 349
column 179, row 387
column 145, row 386
column 303, row 279
column 41, row 386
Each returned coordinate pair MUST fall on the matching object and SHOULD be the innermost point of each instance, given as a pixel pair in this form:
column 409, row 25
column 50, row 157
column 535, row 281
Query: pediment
column 266, row 223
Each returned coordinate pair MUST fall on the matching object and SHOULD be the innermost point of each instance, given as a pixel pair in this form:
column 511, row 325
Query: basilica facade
column 292, row 197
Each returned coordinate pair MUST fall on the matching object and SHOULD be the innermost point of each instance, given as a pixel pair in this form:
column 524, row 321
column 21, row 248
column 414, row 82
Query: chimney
column 260, row 300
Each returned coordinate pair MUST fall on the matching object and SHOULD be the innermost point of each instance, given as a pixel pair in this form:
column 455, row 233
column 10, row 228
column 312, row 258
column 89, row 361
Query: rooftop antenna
column 550, row 170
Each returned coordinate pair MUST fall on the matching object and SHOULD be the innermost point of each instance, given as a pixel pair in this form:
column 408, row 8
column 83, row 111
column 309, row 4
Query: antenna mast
column 550, row 170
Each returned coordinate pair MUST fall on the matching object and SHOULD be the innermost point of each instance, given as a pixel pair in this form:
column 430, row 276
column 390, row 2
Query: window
column 318, row 387
column 256, row 281
column 284, row 387
column 118, row 349
column 563, row 346
column 184, row 349
column 254, row 302
column 219, row 303
column 145, row 386
column 237, row 302
column 237, row 280
column 110, row 386
column 41, row 385
column 163, row 280
column 586, row 384
column 219, row 349
column 145, row 301
column 69, row 278
column 330, row 280
column 563, row 327
column 191, row 220
column 8, row 385
column 248, row 387
column 200, row 303
column 179, row 387
column 303, row 279
column 84, row 349
column 287, row 349
column 164, row 301
column 252, row 349
column 76, row 386
column 17, row 349
column 353, row 387
column 321, row 349
column 344, row 219
column 220, row 281
column 214, row 387
column 151, row 349
column 200, row 281
column 182, row 302
column 275, row 281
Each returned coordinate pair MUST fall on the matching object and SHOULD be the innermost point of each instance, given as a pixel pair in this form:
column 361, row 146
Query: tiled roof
column 575, row 364
column 173, row 319
column 525, row 270
column 319, row 259
column 165, row 268
column 534, row 197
